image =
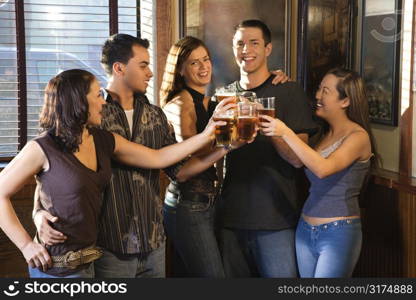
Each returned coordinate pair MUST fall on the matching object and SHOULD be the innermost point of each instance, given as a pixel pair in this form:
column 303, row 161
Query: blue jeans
column 85, row 273
column 190, row 226
column 150, row 266
column 264, row 253
column 329, row 250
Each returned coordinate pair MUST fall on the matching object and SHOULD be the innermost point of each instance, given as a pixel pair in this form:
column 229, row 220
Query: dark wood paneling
column 113, row 15
column 12, row 261
column 389, row 227
column 21, row 72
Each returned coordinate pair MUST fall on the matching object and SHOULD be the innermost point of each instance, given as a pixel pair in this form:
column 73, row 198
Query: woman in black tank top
column 189, row 205
column 71, row 161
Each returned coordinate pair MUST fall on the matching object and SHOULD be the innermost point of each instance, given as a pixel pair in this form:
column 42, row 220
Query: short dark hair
column 65, row 109
column 118, row 48
column 267, row 35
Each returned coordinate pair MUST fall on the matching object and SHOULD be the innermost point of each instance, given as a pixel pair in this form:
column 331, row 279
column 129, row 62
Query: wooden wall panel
column 12, row 261
column 389, row 227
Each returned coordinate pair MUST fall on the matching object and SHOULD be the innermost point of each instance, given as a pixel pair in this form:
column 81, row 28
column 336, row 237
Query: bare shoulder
column 31, row 157
column 180, row 102
column 32, row 149
column 360, row 140
column 358, row 133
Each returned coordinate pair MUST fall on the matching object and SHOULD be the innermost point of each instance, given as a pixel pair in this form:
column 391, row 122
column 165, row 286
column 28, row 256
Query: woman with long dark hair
column 71, row 161
column 189, row 205
column 328, row 236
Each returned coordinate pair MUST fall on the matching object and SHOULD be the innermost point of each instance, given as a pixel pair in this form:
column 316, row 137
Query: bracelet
column 229, row 148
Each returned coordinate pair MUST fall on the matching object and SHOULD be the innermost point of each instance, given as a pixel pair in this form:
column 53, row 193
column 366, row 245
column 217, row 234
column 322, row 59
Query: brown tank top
column 73, row 193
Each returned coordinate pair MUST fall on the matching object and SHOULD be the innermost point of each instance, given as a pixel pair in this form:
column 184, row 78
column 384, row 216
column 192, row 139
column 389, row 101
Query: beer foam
column 225, row 94
column 247, row 117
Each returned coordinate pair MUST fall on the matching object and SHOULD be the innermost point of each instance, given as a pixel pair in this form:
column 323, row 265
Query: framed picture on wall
column 325, row 40
column 380, row 58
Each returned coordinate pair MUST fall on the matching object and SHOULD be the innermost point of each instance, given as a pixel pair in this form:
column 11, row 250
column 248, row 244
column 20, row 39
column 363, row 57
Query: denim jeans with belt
column 151, row 265
column 190, row 225
column 330, row 250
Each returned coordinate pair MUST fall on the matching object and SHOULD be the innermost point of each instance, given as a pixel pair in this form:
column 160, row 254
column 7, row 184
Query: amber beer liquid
column 222, row 97
column 246, row 126
column 267, row 111
column 224, row 133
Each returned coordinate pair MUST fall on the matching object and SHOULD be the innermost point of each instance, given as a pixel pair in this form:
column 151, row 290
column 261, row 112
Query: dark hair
column 65, row 109
column 267, row 35
column 118, row 48
column 351, row 85
column 173, row 82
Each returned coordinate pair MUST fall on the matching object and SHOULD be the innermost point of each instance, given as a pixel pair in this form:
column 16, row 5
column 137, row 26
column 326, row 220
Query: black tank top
column 203, row 182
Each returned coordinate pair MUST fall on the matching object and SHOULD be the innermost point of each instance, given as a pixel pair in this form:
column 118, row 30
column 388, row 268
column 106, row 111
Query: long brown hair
column 351, row 85
column 173, row 82
column 65, row 109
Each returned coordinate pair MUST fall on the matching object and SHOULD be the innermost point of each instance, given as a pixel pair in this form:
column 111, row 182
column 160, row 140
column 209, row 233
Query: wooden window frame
column 21, row 65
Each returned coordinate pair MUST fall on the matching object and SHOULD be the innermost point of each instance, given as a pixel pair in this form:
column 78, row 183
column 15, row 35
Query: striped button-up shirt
column 131, row 220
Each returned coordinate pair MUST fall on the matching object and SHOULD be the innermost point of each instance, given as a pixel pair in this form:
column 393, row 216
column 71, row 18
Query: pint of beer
column 225, row 92
column 224, row 134
column 266, row 106
column 222, row 96
column 247, row 120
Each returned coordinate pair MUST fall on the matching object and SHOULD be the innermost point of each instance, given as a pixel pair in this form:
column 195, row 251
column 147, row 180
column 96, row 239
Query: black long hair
column 65, row 109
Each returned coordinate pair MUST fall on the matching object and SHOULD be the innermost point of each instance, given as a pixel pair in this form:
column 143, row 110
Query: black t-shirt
column 259, row 190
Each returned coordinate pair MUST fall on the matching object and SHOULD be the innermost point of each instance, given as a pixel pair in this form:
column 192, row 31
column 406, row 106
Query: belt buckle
column 72, row 264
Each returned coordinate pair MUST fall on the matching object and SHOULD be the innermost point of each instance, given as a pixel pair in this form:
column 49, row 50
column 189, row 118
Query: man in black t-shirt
column 258, row 208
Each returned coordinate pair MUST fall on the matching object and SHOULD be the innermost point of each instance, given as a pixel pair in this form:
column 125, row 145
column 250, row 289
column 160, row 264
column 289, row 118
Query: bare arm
column 286, row 152
column 199, row 163
column 41, row 218
column 25, row 165
column 181, row 113
column 355, row 147
column 138, row 155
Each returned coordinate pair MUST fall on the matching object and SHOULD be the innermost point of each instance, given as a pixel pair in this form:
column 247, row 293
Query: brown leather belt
column 73, row 259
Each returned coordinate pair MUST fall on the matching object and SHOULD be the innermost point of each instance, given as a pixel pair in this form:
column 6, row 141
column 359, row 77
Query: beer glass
column 266, row 106
column 224, row 133
column 247, row 120
column 247, row 96
column 224, row 92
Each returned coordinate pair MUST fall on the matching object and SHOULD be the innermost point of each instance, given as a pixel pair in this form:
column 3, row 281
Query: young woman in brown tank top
column 71, row 162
